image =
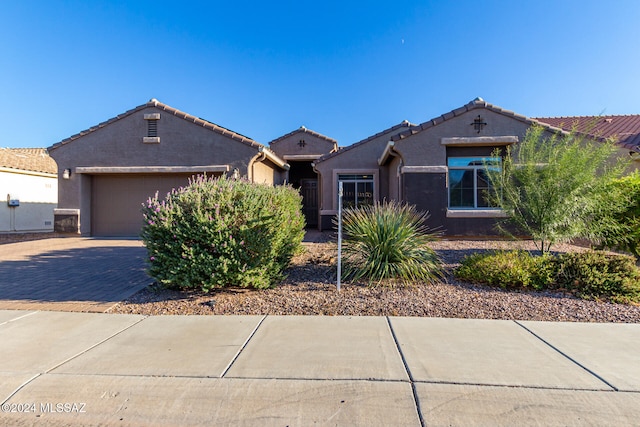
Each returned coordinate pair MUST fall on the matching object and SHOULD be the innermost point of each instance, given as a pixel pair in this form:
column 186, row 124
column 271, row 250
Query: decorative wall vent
column 152, row 128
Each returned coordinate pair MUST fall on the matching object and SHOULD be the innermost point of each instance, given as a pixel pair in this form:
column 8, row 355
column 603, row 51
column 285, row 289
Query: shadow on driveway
column 91, row 277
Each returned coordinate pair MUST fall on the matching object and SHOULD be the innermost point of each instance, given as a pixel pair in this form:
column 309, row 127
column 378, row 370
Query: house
column 438, row 165
column 109, row 170
column 106, row 172
column 623, row 129
column 28, row 182
column 300, row 149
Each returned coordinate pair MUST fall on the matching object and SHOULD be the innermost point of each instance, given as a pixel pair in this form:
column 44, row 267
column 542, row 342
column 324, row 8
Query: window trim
column 474, row 168
column 338, row 172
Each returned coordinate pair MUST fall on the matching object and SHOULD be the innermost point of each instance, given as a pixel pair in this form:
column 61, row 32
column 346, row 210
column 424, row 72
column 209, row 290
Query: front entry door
column 309, row 191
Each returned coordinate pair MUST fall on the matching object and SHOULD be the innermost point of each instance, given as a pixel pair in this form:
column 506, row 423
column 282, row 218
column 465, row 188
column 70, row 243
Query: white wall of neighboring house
column 38, row 197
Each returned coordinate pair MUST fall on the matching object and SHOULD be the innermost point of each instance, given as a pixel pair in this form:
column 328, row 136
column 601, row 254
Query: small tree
column 556, row 188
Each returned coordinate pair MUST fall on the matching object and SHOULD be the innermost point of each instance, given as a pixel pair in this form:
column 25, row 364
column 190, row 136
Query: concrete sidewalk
column 101, row 369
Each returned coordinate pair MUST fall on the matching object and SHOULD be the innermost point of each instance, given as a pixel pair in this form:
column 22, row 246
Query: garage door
column 116, row 200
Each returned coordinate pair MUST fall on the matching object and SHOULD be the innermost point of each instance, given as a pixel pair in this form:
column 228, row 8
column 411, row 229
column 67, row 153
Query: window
column 468, row 181
column 357, row 190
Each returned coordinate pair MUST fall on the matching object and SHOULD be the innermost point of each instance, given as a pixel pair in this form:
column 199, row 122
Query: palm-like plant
column 388, row 241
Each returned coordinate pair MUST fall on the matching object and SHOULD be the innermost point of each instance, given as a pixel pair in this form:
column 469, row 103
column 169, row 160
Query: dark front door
column 309, row 191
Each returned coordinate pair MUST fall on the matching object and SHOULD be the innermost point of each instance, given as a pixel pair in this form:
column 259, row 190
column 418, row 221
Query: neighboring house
column 106, row 172
column 29, row 190
column 624, row 130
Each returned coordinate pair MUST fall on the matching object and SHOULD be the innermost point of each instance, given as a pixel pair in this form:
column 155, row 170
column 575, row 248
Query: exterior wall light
column 66, row 174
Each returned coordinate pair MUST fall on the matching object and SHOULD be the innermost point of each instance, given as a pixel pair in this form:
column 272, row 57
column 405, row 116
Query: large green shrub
column 506, row 269
column 389, row 242
column 589, row 275
column 217, row 232
column 626, row 236
column 596, row 274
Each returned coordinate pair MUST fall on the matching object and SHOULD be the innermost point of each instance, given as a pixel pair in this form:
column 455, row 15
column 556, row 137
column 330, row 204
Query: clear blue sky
column 344, row 69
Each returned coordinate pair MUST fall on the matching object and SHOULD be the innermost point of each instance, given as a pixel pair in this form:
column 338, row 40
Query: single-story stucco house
column 108, row 171
column 29, row 188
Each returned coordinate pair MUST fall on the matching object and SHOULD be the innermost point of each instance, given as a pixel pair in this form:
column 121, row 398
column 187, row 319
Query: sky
column 345, row 69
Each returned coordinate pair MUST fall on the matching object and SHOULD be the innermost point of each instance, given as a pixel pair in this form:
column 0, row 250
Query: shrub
column 596, row 274
column 506, row 269
column 626, row 236
column 217, row 232
column 589, row 275
column 388, row 241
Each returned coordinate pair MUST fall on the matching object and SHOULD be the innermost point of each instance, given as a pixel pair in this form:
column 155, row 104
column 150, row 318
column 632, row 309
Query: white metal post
column 339, row 234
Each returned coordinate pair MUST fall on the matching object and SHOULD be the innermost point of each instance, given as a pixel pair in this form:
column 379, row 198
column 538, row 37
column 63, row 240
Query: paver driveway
column 71, row 274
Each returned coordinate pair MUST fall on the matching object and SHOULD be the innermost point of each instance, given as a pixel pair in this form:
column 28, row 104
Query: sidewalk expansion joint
column 416, row 399
column 529, row 387
column 94, row 345
column 242, row 347
column 567, row 356
column 19, row 317
column 20, row 387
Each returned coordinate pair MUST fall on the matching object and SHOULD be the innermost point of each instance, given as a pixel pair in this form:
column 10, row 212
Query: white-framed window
column 357, row 189
column 468, row 181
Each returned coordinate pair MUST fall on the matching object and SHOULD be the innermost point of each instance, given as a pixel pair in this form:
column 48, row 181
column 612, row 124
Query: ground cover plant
column 589, row 275
column 218, row 232
column 388, row 243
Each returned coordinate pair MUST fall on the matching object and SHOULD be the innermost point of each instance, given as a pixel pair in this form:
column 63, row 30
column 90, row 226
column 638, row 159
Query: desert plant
column 599, row 275
column 217, row 232
column 589, row 275
column 556, row 188
column 388, row 242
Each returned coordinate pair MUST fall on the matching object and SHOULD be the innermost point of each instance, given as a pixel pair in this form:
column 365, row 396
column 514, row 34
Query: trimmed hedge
column 217, row 232
column 589, row 275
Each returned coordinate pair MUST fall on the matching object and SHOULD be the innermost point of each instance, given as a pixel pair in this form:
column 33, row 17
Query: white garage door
column 116, row 200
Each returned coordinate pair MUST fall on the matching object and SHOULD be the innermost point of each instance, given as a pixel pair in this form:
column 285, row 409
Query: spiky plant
column 388, row 243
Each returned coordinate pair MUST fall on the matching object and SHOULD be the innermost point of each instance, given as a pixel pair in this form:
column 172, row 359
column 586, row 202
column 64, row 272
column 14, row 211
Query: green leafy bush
column 596, row 274
column 589, row 275
column 388, row 242
column 217, row 232
column 626, row 236
column 507, row 269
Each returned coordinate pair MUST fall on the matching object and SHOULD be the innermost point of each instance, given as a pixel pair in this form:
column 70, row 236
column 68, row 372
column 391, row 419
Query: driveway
column 71, row 274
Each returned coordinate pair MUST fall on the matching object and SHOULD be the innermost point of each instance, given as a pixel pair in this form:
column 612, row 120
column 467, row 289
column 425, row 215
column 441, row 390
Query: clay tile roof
column 404, row 123
column 625, row 130
column 155, row 103
column 28, row 159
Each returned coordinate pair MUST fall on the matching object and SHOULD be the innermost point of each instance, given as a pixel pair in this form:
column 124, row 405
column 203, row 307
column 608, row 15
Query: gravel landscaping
column 310, row 289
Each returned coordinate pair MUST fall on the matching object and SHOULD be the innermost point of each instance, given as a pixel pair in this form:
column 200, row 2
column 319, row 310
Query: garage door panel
column 117, row 200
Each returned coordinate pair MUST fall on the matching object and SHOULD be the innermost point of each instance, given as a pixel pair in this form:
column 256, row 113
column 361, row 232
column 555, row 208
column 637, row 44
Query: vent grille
column 152, row 128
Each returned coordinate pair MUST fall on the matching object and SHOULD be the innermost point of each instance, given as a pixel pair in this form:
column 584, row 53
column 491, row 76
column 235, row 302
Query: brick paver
column 70, row 274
